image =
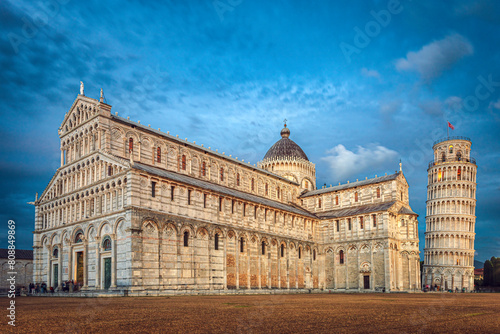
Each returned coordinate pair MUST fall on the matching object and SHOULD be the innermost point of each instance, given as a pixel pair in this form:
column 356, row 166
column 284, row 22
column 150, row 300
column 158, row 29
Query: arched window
column 267, row 189
column 55, row 253
column 314, row 255
column 356, row 196
column 238, row 179
column 306, row 184
column 183, row 162
column 300, row 252
column 203, row 169
column 110, row 170
column 186, row 238
column 378, row 192
column 459, row 155
column 443, row 157
column 278, row 192
column 131, row 145
column 337, row 200
column 282, row 250
column 106, row 244
column 216, row 241
column 222, row 174
column 361, row 223
column 79, row 237
column 253, row 184
column 319, row 203
column 440, row 175
column 341, row 257
column 263, row 248
column 459, row 173
column 242, row 245
column 451, row 149
column 158, row 154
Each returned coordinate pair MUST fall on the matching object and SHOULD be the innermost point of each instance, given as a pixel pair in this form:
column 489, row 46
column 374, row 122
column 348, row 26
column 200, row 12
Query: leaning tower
column 450, row 220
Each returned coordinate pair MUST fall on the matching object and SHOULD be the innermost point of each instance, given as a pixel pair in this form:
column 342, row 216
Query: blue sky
column 362, row 84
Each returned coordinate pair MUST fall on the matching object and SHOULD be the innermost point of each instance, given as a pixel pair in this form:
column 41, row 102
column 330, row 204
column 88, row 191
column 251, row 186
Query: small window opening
column 183, row 162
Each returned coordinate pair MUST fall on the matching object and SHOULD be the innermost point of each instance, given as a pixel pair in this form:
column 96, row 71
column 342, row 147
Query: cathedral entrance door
column 79, row 267
column 366, row 279
column 55, row 274
column 107, row 273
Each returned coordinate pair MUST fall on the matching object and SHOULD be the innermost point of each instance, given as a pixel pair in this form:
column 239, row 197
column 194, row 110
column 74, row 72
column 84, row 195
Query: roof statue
column 81, row 88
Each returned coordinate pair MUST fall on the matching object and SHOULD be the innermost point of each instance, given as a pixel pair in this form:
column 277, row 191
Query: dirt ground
column 311, row 313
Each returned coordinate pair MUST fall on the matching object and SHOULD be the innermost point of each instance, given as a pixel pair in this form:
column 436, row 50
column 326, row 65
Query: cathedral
column 140, row 211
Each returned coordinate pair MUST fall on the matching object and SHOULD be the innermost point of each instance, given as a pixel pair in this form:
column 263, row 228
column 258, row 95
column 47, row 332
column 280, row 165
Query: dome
column 285, row 148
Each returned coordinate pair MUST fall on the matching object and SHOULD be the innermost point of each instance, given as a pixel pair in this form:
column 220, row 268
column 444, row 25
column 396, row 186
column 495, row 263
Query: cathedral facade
column 132, row 208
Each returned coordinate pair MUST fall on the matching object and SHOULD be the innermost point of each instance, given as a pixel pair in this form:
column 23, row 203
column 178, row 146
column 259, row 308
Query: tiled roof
column 351, row 185
column 21, row 254
column 406, row 211
column 357, row 210
column 285, row 148
column 221, row 189
column 198, row 147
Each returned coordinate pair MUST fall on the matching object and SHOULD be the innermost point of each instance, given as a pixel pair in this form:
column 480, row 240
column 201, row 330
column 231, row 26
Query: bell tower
column 450, row 220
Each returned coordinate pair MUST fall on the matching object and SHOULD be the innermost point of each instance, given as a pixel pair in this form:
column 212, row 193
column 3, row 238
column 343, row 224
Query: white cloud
column 495, row 105
column 344, row 163
column 432, row 59
column 370, row 73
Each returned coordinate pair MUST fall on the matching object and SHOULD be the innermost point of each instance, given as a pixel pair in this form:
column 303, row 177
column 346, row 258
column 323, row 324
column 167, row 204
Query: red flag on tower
column 451, row 126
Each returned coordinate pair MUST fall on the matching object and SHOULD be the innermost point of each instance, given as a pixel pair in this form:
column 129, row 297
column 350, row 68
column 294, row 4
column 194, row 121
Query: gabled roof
column 352, row 185
column 188, row 180
column 21, row 254
column 356, row 210
column 75, row 103
column 198, row 147
column 110, row 156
